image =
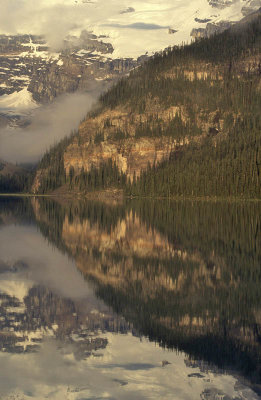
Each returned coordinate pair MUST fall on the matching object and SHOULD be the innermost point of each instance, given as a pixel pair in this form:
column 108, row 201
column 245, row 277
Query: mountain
column 45, row 60
column 31, row 73
column 103, row 47
column 185, row 123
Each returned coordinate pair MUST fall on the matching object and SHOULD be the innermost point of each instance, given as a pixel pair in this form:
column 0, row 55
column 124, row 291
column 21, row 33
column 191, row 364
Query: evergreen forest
column 215, row 87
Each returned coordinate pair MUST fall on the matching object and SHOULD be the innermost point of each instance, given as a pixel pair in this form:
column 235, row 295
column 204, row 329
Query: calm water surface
column 143, row 300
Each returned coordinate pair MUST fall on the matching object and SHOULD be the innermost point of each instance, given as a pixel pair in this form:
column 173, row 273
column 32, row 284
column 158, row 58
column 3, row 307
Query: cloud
column 54, row 374
column 49, row 124
column 137, row 25
column 49, row 374
column 53, row 19
column 47, row 266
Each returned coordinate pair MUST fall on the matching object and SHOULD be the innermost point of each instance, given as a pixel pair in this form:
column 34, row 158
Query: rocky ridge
column 27, row 62
column 213, row 28
column 141, row 129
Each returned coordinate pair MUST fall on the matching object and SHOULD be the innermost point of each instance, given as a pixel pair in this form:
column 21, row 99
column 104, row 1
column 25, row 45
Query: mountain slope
column 195, row 108
column 105, row 42
column 27, row 63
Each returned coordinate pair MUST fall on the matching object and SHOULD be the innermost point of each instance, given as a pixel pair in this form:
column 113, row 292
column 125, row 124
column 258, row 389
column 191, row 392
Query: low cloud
column 49, row 124
column 138, row 25
column 54, row 19
column 45, row 266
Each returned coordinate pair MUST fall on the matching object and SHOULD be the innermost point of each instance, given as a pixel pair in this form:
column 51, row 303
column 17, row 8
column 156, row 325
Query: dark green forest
column 16, row 183
column 222, row 122
column 231, row 169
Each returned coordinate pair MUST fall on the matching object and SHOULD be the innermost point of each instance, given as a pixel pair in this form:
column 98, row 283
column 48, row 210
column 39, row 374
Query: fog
column 53, row 18
column 49, row 124
column 49, row 374
column 138, row 25
column 46, row 265
column 54, row 373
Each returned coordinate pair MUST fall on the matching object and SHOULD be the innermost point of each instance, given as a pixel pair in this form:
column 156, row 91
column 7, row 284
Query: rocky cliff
column 131, row 155
column 26, row 61
column 112, row 134
column 183, row 98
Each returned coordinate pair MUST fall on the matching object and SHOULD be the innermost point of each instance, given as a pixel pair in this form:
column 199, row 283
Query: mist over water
column 48, row 125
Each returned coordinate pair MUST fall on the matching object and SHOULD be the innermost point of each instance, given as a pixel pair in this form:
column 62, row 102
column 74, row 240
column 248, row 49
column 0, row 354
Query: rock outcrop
column 211, row 29
column 26, row 61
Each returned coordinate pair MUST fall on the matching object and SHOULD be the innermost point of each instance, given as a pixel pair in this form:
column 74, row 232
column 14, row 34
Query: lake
column 131, row 300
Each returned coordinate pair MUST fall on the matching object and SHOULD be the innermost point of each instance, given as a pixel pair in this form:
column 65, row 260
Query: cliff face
column 76, row 72
column 26, row 61
column 211, row 29
column 99, row 139
column 184, row 98
column 130, row 156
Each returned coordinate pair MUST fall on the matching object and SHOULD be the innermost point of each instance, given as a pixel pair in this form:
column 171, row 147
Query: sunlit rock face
column 131, row 155
column 211, row 29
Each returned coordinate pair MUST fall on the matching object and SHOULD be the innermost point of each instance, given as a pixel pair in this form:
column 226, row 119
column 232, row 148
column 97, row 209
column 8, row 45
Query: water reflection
column 137, row 300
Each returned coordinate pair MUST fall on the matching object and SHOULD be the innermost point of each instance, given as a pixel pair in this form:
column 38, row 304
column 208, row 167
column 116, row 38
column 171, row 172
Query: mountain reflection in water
column 141, row 300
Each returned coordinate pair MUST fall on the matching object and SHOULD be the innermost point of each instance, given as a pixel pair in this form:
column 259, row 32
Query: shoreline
column 111, row 195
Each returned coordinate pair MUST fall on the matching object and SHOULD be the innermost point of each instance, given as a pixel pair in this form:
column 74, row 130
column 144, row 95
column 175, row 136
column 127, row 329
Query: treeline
column 16, row 183
column 223, row 53
column 188, row 89
column 52, row 164
column 106, row 176
column 231, row 168
column 220, row 107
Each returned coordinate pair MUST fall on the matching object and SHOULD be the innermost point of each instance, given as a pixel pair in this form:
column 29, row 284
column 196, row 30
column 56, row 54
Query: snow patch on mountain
column 15, row 288
column 147, row 28
column 133, row 27
column 21, row 101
